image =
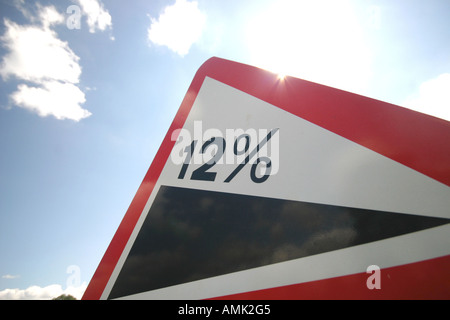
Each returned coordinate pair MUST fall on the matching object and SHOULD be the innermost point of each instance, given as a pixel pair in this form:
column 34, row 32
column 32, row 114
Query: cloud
column 98, row 18
column 42, row 293
column 61, row 100
column 47, row 64
column 36, row 53
column 49, row 16
column 178, row 27
column 10, row 276
column 433, row 97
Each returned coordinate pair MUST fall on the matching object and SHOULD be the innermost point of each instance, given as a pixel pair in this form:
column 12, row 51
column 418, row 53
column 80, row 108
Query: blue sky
column 88, row 89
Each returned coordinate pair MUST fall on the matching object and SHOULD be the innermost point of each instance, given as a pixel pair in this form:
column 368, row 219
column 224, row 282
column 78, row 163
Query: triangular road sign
column 279, row 188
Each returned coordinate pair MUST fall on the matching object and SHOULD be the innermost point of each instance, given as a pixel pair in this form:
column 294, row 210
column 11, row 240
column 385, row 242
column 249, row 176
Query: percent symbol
column 203, row 172
column 266, row 160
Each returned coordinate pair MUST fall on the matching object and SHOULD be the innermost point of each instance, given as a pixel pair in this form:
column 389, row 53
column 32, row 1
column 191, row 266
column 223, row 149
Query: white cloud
column 178, row 27
column 36, row 53
column 61, row 100
column 49, row 16
column 321, row 41
column 433, row 97
column 42, row 293
column 98, row 18
column 10, row 276
column 37, row 56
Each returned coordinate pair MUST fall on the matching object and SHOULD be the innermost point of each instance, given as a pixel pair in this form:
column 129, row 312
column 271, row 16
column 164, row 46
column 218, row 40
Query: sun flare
column 320, row 41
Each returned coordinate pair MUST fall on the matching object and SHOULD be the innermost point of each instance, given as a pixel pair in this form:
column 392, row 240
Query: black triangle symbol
column 193, row 234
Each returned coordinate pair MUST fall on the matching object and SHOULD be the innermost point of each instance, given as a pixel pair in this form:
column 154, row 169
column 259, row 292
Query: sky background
column 89, row 88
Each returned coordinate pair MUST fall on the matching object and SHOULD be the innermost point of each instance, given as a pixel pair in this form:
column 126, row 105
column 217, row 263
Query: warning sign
column 265, row 187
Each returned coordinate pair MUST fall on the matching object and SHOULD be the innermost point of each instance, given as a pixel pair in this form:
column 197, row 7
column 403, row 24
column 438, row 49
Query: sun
column 319, row 41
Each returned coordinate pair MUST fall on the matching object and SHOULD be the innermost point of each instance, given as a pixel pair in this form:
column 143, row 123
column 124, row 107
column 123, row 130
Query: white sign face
column 254, row 197
column 309, row 163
